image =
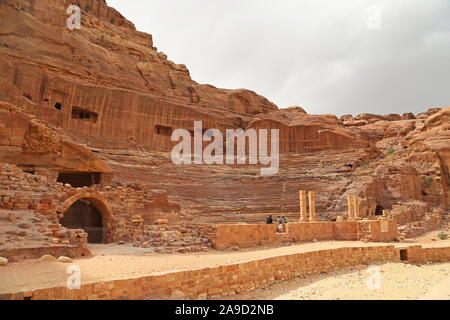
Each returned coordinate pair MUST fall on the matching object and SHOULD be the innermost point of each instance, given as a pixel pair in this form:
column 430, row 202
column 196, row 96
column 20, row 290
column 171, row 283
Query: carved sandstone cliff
column 104, row 101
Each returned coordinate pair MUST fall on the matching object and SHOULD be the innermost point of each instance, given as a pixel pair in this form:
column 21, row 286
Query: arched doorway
column 84, row 215
column 379, row 210
column 90, row 212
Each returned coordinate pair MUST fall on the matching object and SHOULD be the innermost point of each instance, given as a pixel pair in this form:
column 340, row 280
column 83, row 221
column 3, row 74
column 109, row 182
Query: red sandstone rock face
column 104, row 99
column 300, row 132
column 27, row 141
column 109, row 70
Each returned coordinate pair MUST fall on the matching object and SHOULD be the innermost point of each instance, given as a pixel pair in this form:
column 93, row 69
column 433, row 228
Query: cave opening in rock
column 84, row 215
column 163, row 131
column 58, row 106
column 379, row 210
column 80, row 179
column 83, row 114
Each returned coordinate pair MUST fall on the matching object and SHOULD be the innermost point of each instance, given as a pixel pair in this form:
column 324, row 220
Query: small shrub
column 428, row 181
column 443, row 236
column 391, row 151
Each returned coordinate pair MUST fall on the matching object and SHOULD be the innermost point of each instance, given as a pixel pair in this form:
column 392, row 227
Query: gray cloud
column 318, row 54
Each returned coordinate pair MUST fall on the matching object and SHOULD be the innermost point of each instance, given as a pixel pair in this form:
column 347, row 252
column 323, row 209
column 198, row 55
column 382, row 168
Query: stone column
column 356, row 203
column 312, row 206
column 358, row 213
column 351, row 208
column 303, row 213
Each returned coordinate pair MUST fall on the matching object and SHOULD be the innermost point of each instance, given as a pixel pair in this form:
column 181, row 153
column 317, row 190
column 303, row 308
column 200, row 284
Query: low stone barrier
column 228, row 280
column 19, row 254
column 419, row 255
column 252, row 235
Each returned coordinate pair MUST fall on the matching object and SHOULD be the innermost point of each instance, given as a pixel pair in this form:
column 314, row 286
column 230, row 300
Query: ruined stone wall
column 432, row 221
column 347, row 230
column 408, row 212
column 119, row 206
column 229, row 280
column 21, row 191
column 176, row 238
column 415, row 218
column 418, row 254
column 19, row 254
column 228, row 236
column 377, row 231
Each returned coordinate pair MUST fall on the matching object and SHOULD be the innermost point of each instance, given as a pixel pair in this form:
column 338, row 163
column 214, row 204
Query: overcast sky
column 327, row 56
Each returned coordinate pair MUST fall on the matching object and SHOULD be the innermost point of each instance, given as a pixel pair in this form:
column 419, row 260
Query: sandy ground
column 396, row 282
column 112, row 262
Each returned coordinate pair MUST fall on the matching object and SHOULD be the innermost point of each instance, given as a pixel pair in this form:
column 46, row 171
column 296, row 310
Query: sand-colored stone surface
column 120, row 262
column 67, row 107
column 398, row 282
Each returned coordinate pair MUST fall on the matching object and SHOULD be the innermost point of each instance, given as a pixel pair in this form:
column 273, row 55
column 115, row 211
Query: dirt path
column 112, row 262
column 118, row 262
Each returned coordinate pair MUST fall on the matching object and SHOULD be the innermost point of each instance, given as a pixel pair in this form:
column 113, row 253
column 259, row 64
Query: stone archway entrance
column 379, row 210
column 89, row 212
column 84, row 215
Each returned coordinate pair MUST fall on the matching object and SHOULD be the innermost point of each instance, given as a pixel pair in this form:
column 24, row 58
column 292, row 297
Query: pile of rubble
column 431, row 221
column 415, row 218
column 411, row 211
column 176, row 238
column 27, row 204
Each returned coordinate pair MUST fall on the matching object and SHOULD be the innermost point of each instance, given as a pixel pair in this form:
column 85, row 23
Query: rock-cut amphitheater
column 87, row 179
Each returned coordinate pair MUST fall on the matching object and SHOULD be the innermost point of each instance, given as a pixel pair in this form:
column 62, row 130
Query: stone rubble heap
column 415, row 218
column 176, row 238
column 28, row 202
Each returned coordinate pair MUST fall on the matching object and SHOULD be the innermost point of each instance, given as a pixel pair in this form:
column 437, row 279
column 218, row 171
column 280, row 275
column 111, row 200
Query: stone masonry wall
column 408, row 212
column 120, row 205
column 240, row 235
column 415, row 218
column 383, row 230
column 230, row 280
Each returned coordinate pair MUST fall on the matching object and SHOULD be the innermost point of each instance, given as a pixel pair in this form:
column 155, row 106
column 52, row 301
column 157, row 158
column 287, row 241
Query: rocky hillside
column 107, row 100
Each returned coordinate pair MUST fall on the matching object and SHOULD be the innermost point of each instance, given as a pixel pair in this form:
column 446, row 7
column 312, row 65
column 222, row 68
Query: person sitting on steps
column 280, row 224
